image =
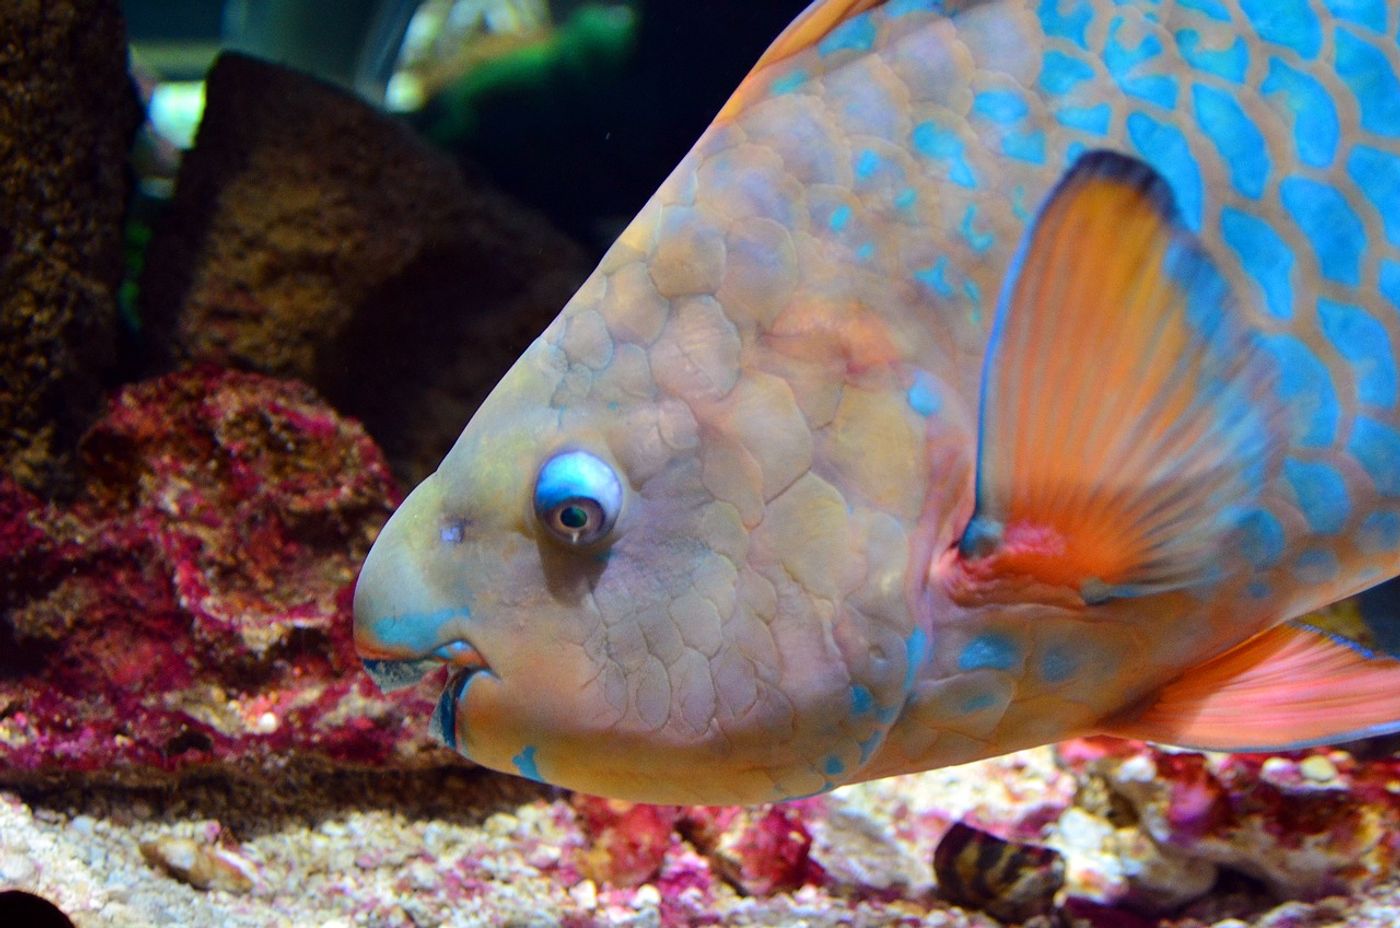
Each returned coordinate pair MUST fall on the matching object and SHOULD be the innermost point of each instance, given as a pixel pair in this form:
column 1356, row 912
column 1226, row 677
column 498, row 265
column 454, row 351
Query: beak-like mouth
column 443, row 725
column 391, row 674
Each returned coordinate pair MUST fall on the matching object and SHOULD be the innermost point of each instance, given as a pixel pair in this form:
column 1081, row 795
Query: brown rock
column 67, row 117
column 312, row 236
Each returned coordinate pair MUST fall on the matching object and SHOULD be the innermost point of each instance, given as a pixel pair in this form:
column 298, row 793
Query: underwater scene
column 740, row 463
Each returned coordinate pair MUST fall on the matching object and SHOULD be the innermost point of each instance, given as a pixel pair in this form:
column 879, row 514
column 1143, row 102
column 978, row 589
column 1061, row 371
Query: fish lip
column 443, row 725
column 398, row 672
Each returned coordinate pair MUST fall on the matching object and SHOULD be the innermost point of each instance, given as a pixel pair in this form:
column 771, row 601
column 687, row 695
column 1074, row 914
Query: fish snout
column 404, row 626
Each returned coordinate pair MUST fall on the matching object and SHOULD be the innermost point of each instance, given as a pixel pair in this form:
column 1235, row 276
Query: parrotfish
column 988, row 374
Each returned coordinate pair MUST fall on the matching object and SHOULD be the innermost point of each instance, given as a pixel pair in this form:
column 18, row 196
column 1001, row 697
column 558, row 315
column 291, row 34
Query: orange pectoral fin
column 1291, row 687
column 1127, row 416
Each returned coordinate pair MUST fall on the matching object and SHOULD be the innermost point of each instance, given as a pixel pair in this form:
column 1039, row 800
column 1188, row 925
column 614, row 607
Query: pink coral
column 192, row 604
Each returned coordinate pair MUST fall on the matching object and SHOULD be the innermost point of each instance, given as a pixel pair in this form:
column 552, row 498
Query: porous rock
column 312, row 236
column 1304, row 824
column 68, row 114
column 191, row 607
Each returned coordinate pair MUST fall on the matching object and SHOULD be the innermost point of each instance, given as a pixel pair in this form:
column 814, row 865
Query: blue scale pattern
column 1240, row 143
column 1229, row 63
column 1290, row 23
column 1377, row 176
column 1364, row 342
column 1121, row 61
column 1265, row 256
column 1332, row 227
column 1368, row 13
column 1316, row 128
column 1367, row 73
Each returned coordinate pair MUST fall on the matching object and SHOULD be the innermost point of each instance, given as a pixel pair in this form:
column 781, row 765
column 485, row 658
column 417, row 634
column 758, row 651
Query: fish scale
column 988, row 373
column 1285, row 165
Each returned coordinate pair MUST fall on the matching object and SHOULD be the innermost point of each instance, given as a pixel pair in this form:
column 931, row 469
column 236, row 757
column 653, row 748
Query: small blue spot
column 840, row 218
column 1000, row 106
column 1377, row 173
column 866, row 251
column 1155, row 88
column 1305, row 387
column 1331, row 226
column 1390, row 281
column 977, row 241
column 1380, row 533
column 1240, row 143
column 1059, row 73
column 1322, row 494
column 1377, row 447
column 933, row 141
column 1229, row 64
column 1070, row 25
column 916, row 654
column 1093, row 119
column 862, row 700
column 906, row 199
column 1316, row 565
column 990, row 652
column 833, row 766
column 858, row 34
column 1316, row 129
column 936, row 278
column 978, row 702
column 790, row 82
column 974, row 295
column 1025, row 146
column 1367, row 72
column 1165, row 148
column 1365, row 343
column 867, row 163
column 1018, row 203
column 525, row 763
column 1368, row 13
column 1058, row 664
column 1215, row 9
column 1290, row 23
column 1265, row 256
column 1261, row 540
column 1258, row 589
column 1073, row 152
column 923, row 395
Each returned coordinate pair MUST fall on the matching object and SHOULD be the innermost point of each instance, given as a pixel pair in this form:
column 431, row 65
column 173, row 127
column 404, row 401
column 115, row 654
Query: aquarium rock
column 191, row 606
column 68, row 114
column 312, row 236
column 1304, row 824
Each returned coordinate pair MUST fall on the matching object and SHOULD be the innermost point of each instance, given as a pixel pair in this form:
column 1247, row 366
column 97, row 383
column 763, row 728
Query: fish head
column 614, row 619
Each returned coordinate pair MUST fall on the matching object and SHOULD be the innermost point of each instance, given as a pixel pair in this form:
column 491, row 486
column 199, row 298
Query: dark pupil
column 574, row 517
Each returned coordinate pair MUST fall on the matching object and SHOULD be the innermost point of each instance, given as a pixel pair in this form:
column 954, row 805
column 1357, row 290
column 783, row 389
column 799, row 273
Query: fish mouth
column 396, row 673
column 442, row 727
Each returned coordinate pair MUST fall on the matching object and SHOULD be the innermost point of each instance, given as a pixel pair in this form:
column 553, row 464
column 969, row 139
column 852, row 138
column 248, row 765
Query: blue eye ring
column 577, row 497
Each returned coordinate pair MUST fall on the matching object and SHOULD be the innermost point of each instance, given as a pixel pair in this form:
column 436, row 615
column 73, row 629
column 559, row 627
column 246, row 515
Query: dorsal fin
column 814, row 24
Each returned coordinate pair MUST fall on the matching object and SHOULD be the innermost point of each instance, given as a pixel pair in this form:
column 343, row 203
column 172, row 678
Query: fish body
column 988, row 374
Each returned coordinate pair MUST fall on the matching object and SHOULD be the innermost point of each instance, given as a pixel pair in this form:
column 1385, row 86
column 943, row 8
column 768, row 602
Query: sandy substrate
column 466, row 848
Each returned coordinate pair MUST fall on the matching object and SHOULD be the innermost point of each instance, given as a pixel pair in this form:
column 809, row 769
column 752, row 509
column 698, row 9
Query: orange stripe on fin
column 809, row 28
column 1290, row 687
column 1127, row 418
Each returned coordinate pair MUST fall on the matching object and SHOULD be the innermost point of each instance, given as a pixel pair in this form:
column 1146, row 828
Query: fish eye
column 577, row 497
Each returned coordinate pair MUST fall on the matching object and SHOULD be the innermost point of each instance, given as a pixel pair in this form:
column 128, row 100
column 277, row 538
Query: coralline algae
column 191, row 606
